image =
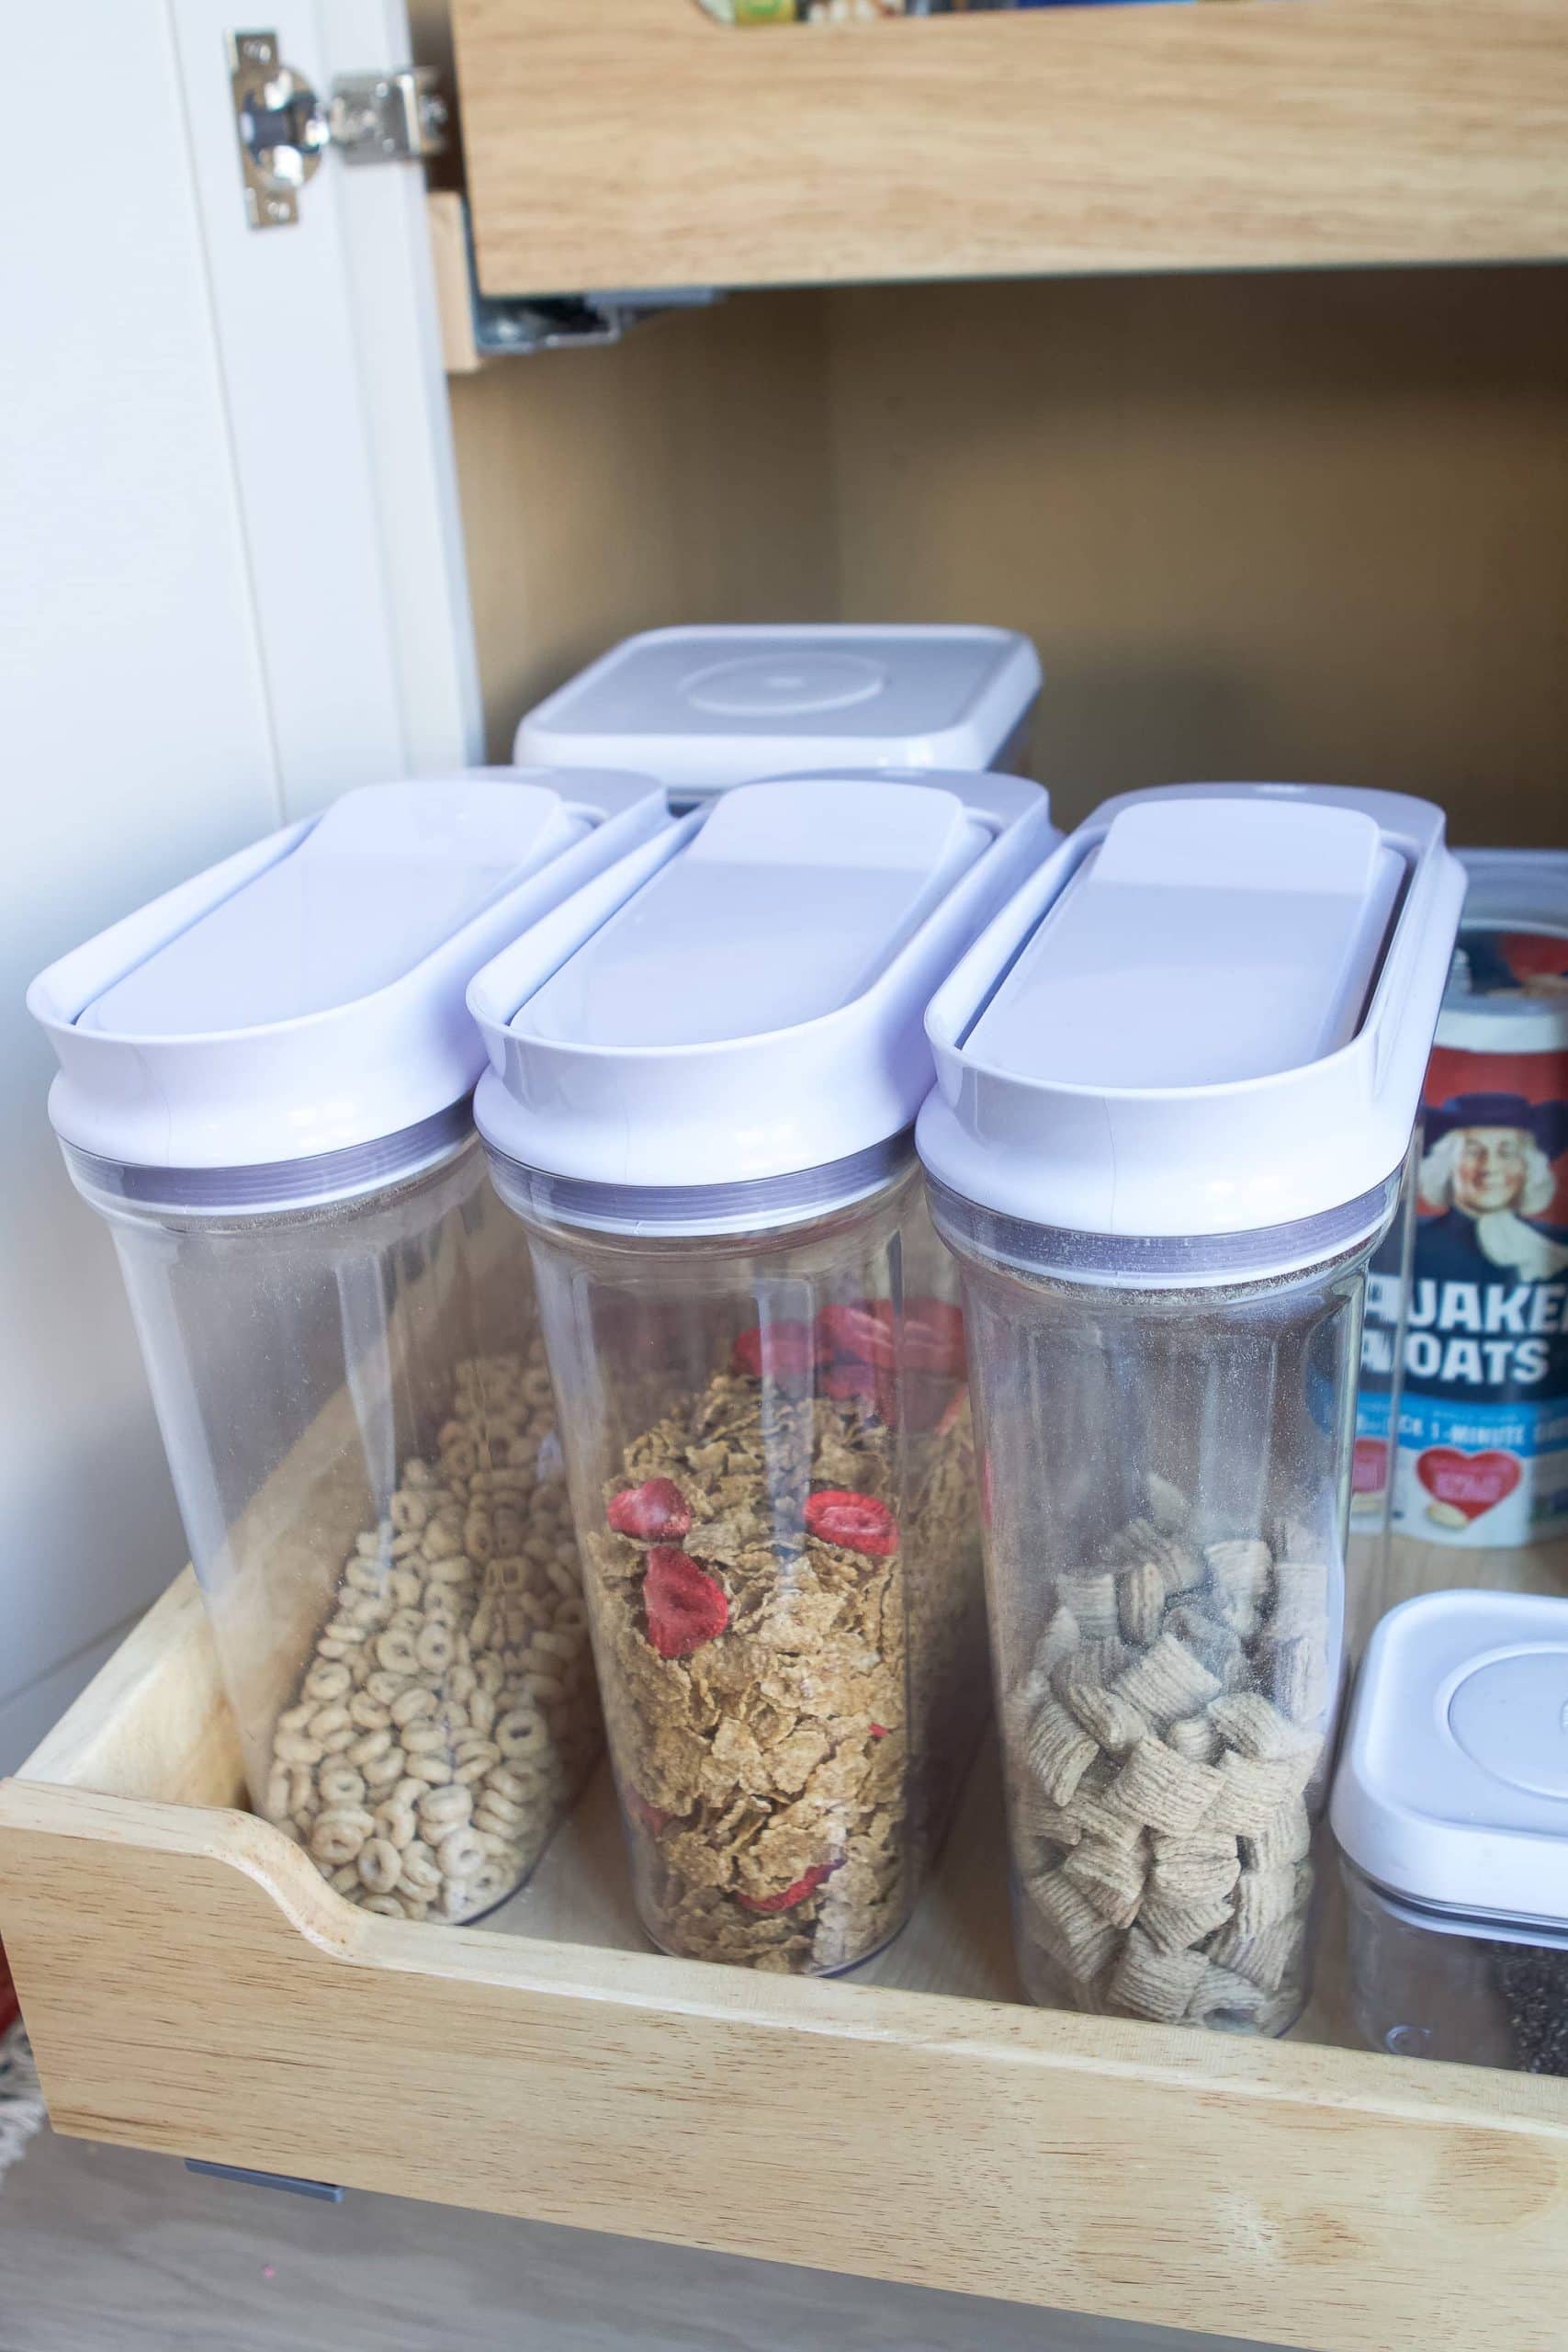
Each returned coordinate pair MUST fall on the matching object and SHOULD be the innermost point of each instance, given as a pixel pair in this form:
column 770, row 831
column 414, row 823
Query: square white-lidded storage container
column 706, row 708
column 1450, row 1806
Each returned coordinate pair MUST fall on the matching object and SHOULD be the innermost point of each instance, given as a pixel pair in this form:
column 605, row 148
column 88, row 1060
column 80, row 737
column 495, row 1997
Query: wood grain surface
column 1304, row 526
column 113, row 2250
column 634, row 143
column 682, row 477
column 193, row 1985
column 1312, row 527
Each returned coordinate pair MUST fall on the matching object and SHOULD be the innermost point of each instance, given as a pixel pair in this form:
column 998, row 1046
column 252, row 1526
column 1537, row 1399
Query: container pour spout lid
column 1209, row 1014
column 753, row 1009
column 305, row 998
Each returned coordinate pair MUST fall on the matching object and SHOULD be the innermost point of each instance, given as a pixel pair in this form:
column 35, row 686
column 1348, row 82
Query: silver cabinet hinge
column 284, row 127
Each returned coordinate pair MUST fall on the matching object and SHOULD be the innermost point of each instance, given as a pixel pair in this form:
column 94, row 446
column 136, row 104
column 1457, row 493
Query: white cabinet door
column 230, row 584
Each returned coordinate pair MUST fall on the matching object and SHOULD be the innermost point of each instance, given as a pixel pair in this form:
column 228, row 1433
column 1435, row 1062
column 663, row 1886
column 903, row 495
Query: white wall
column 134, row 746
column 231, row 583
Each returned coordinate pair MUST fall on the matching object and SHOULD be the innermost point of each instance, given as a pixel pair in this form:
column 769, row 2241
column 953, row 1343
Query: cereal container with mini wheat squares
column 1175, row 1081
column 703, row 1116
column 265, row 1089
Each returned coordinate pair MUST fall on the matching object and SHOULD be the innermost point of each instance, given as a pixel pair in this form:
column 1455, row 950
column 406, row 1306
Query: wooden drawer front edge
column 634, row 143
column 192, row 1986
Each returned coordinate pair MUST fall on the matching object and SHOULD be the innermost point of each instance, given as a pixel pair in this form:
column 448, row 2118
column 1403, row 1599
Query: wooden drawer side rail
column 193, row 1987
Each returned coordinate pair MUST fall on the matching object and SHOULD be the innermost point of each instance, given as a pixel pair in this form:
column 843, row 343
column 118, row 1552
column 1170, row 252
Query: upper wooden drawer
column 635, row 143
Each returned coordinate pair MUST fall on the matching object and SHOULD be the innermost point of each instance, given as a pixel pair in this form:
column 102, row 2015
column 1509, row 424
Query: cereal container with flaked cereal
column 265, row 1089
column 1176, row 1079
column 703, row 1117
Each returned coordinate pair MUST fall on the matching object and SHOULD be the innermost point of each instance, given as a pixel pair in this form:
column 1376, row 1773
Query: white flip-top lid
column 1207, row 1016
column 305, row 997
column 1519, row 890
column 704, row 708
column 1453, row 1788
column 751, row 1010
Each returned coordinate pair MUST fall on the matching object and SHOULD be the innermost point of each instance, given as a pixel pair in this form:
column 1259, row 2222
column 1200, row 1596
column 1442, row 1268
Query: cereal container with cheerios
column 703, row 1118
column 1177, row 1078
column 265, row 1089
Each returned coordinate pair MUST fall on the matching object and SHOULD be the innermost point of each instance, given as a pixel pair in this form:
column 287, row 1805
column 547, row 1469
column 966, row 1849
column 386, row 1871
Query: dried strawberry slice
column 651, row 1817
column 934, row 1336
column 879, row 1731
column 861, row 1333
column 859, row 1523
column 651, row 1512
column 808, row 1884
column 782, row 1352
column 684, row 1606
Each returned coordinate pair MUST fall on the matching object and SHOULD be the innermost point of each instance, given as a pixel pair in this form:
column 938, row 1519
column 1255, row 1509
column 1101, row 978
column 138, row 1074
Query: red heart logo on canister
column 1368, row 1471
column 1470, row 1483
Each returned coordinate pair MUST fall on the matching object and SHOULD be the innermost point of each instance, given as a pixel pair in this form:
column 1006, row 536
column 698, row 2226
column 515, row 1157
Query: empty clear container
column 1176, row 1080
column 703, row 1118
column 265, row 1090
column 1434, row 1985
column 1450, row 1806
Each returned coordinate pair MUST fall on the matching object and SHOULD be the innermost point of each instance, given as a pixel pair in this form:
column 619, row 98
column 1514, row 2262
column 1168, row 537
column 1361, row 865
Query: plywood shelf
column 636, row 145
column 192, row 1985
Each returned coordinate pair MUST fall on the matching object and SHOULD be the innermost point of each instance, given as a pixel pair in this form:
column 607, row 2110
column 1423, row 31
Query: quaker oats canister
column 1483, row 1424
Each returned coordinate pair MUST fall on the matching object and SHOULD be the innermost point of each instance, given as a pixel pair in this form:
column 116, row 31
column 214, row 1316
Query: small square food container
column 1450, row 1806
column 265, row 1089
column 1175, row 1079
column 702, row 1110
column 707, row 709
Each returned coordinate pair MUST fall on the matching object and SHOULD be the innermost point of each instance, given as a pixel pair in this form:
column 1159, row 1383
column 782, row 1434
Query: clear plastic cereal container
column 706, row 708
column 1176, row 1083
column 703, row 1118
column 1450, row 1806
column 264, row 1090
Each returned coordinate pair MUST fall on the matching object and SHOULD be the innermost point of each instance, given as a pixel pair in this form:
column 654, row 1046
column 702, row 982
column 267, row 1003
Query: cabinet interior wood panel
column 682, row 475
column 1312, row 527
column 634, row 143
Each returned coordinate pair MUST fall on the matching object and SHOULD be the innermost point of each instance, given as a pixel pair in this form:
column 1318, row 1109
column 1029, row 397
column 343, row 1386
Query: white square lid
column 1453, row 1789
column 706, row 708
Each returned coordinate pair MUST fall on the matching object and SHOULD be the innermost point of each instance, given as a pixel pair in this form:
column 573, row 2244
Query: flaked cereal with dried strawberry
column 786, row 1596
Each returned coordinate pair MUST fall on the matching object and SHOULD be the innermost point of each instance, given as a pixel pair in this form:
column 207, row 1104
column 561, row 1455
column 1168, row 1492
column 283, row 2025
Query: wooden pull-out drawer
column 635, row 143
column 192, row 1985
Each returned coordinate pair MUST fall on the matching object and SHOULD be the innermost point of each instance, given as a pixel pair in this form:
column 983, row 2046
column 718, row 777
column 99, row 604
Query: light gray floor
column 104, row 2250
